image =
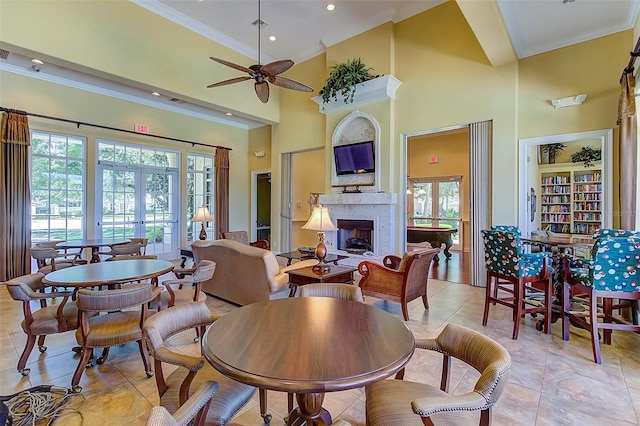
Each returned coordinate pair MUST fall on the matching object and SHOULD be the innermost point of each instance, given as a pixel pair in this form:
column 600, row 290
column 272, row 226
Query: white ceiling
column 304, row 28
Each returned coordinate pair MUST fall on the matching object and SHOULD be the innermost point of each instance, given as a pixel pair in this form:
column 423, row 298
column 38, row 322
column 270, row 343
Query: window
column 200, row 188
column 57, row 186
column 137, row 195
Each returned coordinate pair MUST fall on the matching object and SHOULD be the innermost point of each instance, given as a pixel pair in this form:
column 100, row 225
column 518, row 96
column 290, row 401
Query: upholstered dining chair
column 192, row 371
column 189, row 288
column 336, row 290
column 400, row 402
column 243, row 237
column 118, row 323
column 610, row 275
column 57, row 313
column 515, row 277
column 192, row 412
column 49, row 259
column 401, row 285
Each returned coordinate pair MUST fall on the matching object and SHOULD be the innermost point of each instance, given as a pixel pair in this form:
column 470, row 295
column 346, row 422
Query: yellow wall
column 54, row 100
column 593, row 67
column 125, row 40
column 452, row 150
column 308, row 172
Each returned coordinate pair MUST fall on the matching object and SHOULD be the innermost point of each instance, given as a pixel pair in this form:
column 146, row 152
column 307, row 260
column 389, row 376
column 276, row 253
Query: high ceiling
column 303, row 28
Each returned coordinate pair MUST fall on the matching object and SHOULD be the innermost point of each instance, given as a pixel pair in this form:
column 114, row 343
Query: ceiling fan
column 263, row 74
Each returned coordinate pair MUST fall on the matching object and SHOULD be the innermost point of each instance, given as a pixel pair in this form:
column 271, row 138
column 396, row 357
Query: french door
column 436, row 203
column 138, row 201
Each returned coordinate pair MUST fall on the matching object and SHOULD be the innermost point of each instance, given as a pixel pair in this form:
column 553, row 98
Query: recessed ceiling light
column 330, row 7
column 229, row 113
column 272, row 38
column 155, row 93
column 37, row 61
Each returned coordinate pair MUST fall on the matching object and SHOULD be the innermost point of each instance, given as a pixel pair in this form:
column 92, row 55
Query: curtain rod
column 634, row 54
column 81, row 123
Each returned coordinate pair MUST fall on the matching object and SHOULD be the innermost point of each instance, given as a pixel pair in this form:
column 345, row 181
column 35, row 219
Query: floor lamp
column 321, row 222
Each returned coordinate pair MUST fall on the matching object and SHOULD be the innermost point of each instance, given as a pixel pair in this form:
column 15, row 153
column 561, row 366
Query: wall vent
column 177, row 100
column 4, row 54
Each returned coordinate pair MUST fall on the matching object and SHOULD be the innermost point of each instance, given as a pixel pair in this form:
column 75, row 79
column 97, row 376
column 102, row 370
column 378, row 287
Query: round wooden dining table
column 94, row 244
column 308, row 346
column 108, row 273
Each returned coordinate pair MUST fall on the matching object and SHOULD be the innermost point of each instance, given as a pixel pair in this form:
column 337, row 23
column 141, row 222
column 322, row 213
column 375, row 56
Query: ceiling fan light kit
column 263, row 74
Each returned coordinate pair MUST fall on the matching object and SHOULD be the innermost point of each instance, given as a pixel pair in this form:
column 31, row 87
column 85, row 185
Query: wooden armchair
column 56, row 314
column 406, row 403
column 402, row 285
column 243, row 237
column 49, row 259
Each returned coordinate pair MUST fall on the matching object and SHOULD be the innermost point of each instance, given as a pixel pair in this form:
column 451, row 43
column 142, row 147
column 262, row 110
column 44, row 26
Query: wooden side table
column 302, row 276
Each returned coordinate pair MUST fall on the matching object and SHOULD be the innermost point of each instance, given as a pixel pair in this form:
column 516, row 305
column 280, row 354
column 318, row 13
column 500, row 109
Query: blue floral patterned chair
column 612, row 274
column 518, row 274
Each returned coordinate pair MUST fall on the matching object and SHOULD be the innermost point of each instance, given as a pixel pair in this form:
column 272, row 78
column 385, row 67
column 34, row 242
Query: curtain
column 628, row 150
column 15, row 196
column 222, row 192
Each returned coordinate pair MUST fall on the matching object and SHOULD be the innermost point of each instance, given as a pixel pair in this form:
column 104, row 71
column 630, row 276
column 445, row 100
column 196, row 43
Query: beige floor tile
column 552, row 382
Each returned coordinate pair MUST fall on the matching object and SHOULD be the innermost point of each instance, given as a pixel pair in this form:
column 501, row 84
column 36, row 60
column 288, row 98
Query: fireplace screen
column 355, row 236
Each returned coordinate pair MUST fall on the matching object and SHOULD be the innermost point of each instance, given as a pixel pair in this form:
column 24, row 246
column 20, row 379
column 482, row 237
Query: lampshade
column 202, row 215
column 319, row 220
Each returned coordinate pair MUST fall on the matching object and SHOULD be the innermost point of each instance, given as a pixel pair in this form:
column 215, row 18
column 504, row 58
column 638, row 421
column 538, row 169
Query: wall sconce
column 569, row 101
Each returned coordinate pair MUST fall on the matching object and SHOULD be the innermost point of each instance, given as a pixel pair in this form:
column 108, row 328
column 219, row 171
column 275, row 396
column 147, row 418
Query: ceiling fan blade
column 230, row 81
column 262, row 90
column 289, row 84
column 277, row 67
column 232, row 65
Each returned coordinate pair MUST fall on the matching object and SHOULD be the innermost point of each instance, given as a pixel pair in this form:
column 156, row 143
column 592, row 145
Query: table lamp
column 202, row 215
column 321, row 222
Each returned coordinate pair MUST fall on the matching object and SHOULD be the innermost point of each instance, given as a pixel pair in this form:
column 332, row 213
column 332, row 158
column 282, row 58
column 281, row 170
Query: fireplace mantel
column 379, row 207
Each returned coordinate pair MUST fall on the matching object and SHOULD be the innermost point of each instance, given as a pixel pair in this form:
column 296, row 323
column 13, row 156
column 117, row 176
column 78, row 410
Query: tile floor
column 552, row 382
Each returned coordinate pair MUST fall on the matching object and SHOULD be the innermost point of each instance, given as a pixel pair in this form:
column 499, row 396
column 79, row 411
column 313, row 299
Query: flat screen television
column 355, row 158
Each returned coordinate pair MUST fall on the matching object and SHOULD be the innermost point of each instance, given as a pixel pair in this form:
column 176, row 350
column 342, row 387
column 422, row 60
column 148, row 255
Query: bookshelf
column 587, row 201
column 571, row 200
column 555, row 202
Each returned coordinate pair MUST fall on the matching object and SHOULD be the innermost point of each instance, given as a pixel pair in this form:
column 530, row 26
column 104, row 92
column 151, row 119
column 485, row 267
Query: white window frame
column 67, row 234
column 202, row 194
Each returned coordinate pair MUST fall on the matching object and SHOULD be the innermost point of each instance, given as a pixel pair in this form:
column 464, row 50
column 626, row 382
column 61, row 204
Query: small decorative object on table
column 307, row 251
column 321, row 222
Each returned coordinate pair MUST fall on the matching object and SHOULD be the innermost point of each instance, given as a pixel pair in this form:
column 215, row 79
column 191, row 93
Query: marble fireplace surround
column 378, row 207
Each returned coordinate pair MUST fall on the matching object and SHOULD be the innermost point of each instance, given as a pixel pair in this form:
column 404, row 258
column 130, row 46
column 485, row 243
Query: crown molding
column 375, row 90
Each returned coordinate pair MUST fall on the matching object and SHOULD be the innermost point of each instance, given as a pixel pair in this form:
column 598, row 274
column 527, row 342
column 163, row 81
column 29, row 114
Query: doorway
column 138, row 202
column 261, row 205
column 530, row 173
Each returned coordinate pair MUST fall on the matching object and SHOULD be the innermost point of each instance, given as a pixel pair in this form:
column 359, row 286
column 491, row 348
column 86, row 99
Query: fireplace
column 355, row 235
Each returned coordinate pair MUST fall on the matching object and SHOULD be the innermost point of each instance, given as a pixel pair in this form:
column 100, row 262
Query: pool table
column 435, row 236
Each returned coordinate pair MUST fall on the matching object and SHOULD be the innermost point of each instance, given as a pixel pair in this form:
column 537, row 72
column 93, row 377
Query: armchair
column 117, row 323
column 243, row 237
column 518, row 274
column 610, row 274
column 49, row 259
column 191, row 371
column 58, row 316
column 401, row 285
column 407, row 403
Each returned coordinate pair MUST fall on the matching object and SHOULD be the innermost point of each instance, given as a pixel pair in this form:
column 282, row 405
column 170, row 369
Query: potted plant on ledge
column 587, row 155
column 552, row 150
column 343, row 80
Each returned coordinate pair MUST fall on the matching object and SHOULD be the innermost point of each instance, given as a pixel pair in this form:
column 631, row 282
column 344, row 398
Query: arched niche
column 357, row 127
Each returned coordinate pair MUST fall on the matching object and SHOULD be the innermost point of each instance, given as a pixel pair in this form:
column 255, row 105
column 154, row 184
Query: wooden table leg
column 309, row 411
column 95, row 258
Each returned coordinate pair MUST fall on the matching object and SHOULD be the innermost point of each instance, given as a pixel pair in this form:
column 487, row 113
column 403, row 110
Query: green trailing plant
column 587, row 155
column 343, row 80
column 552, row 150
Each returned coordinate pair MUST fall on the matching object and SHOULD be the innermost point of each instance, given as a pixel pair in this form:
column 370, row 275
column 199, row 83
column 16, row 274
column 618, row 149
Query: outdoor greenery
column 587, row 155
column 343, row 80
